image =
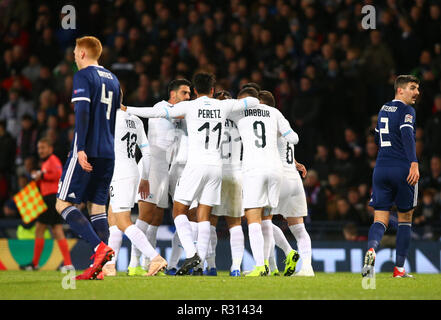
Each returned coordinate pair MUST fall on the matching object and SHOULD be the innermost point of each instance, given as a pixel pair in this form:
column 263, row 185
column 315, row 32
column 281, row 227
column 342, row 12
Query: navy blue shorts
column 389, row 187
column 77, row 185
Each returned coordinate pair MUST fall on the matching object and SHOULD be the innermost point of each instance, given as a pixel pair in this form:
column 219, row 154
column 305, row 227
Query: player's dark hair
column 249, row 92
column 402, row 81
column 222, row 95
column 203, row 82
column 267, row 98
column 252, row 85
column 176, row 84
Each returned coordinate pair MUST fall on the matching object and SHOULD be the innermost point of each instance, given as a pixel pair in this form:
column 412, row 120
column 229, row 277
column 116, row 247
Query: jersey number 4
column 106, row 99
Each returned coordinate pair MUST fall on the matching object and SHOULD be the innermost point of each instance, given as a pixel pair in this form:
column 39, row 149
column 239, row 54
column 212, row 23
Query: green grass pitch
column 47, row 285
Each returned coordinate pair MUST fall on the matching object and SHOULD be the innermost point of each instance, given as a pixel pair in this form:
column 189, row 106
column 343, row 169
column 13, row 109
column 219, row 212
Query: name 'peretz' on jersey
column 206, row 113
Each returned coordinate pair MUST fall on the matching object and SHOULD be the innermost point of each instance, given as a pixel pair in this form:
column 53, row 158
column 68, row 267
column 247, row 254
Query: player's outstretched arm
column 242, row 104
column 178, row 110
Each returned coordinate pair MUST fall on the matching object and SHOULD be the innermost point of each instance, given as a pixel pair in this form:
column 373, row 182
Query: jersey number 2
column 385, row 130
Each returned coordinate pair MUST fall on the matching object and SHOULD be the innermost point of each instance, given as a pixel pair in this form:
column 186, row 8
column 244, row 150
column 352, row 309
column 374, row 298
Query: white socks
column 280, row 240
column 268, row 238
column 184, row 230
column 135, row 253
column 115, row 241
column 237, row 244
column 194, row 231
column 303, row 242
column 203, row 239
column 176, row 252
column 211, row 256
column 151, row 233
column 272, row 260
column 138, row 238
column 256, row 243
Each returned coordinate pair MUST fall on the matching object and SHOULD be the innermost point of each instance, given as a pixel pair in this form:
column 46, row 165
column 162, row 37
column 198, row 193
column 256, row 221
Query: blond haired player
column 88, row 170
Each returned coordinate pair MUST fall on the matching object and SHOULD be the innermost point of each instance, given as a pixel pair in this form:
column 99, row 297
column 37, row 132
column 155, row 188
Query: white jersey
column 231, row 147
column 286, row 153
column 205, row 118
column 129, row 132
column 259, row 129
column 161, row 136
column 179, row 151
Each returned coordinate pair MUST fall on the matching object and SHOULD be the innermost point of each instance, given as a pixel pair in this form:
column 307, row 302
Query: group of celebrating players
column 215, row 156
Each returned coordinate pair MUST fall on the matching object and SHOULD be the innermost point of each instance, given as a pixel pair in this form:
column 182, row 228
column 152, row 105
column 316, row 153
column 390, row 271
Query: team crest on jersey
column 408, row 118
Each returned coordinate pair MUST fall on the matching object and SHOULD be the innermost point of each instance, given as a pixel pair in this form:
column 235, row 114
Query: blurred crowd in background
column 329, row 77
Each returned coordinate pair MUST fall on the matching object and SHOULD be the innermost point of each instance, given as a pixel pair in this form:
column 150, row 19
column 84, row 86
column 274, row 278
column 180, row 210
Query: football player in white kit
column 261, row 171
column 202, row 177
column 161, row 136
column 178, row 160
column 231, row 197
column 126, row 183
column 292, row 206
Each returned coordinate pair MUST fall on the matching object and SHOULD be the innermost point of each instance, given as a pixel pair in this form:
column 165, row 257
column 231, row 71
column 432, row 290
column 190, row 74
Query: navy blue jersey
column 96, row 94
column 395, row 135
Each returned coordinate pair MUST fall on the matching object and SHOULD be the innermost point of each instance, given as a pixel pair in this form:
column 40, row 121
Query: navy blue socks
column 101, row 226
column 403, row 242
column 375, row 235
column 81, row 225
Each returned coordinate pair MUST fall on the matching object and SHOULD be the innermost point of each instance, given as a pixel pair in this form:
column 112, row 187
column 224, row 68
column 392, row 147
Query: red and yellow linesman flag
column 29, row 202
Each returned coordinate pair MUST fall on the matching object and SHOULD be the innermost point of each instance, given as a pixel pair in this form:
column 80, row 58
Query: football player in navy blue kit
column 88, row 170
column 396, row 174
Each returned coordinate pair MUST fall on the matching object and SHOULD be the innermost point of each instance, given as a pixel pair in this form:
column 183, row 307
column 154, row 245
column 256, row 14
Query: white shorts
column 201, row 183
column 175, row 173
column 123, row 194
column 231, row 195
column 261, row 189
column 158, row 181
column 292, row 201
